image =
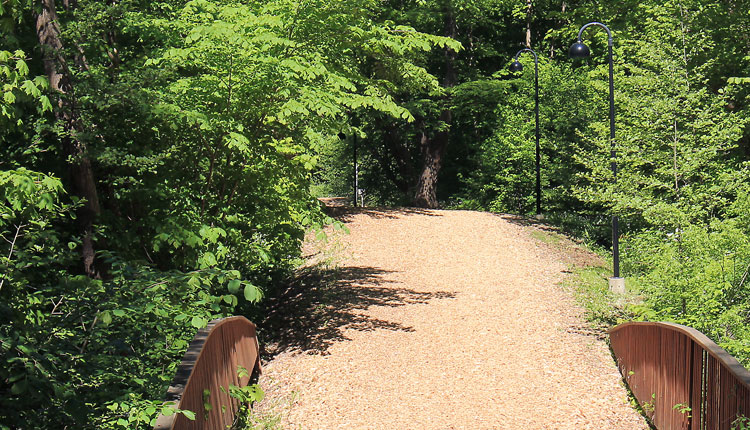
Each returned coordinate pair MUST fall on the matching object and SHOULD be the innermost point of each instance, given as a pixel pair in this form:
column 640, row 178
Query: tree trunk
column 433, row 148
column 79, row 164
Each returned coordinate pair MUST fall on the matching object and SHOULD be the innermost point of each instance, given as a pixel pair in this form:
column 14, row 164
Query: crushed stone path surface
column 440, row 320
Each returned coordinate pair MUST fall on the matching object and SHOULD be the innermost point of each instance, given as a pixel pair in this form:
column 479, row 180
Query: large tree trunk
column 79, row 164
column 433, row 148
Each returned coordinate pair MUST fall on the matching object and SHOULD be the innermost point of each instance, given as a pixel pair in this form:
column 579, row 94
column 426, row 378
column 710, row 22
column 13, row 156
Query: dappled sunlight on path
column 440, row 320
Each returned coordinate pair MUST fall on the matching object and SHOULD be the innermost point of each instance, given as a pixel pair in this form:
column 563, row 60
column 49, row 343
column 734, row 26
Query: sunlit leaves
column 252, row 293
column 16, row 87
column 25, row 192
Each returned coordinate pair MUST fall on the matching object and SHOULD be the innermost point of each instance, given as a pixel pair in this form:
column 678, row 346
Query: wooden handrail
column 210, row 365
column 680, row 377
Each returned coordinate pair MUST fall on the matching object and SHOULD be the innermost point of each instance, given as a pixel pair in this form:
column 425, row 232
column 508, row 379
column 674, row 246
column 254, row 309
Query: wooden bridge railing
column 681, row 378
column 211, row 363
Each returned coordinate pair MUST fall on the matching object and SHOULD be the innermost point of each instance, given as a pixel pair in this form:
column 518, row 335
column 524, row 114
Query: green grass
column 587, row 281
column 547, row 237
column 262, row 421
column 589, row 285
column 267, row 417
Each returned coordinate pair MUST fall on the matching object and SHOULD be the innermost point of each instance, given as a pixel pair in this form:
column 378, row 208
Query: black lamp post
column 579, row 50
column 515, row 67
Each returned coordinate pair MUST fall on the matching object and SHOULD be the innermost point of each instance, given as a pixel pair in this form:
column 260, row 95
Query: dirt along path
column 439, row 320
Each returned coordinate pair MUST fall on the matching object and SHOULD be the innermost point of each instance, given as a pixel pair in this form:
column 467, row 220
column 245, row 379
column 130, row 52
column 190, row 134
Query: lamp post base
column 617, row 285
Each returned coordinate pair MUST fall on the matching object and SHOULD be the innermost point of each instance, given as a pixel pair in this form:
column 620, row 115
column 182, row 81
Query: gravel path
column 441, row 320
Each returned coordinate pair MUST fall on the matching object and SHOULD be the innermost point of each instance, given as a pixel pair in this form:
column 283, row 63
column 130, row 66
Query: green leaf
column 234, row 286
column 198, row 322
column 9, row 98
column 194, row 281
column 19, row 387
column 252, row 293
column 17, row 377
column 22, row 68
column 46, row 105
column 105, row 317
column 208, row 259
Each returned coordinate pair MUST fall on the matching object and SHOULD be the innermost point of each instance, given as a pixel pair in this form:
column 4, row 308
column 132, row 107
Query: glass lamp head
column 579, row 50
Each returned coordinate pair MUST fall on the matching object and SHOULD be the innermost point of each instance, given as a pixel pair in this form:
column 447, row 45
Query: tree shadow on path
column 320, row 305
column 529, row 222
column 338, row 209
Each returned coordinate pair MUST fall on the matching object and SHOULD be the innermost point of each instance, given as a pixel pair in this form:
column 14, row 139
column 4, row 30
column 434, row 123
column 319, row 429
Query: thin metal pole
column 613, row 153
column 613, row 161
column 536, row 112
column 356, row 169
column 538, row 156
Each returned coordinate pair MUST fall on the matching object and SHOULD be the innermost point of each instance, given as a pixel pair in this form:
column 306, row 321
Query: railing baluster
column 668, row 365
column 209, row 365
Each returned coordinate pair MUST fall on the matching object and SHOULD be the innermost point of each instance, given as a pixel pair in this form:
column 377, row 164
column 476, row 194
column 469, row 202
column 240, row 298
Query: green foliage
column 15, row 87
column 505, row 178
column 680, row 185
column 203, row 121
column 741, row 423
column 77, row 345
column 207, row 122
column 674, row 138
column 681, row 140
column 698, row 276
column 246, row 396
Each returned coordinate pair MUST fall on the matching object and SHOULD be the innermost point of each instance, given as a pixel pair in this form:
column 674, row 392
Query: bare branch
column 56, row 305
column 91, row 329
column 12, row 247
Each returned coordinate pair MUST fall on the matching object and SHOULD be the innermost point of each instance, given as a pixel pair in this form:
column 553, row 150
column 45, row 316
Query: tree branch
column 12, row 247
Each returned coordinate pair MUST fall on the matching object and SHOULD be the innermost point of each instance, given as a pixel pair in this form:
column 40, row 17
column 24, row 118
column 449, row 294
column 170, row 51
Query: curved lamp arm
column 580, row 32
column 525, row 50
column 517, row 67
